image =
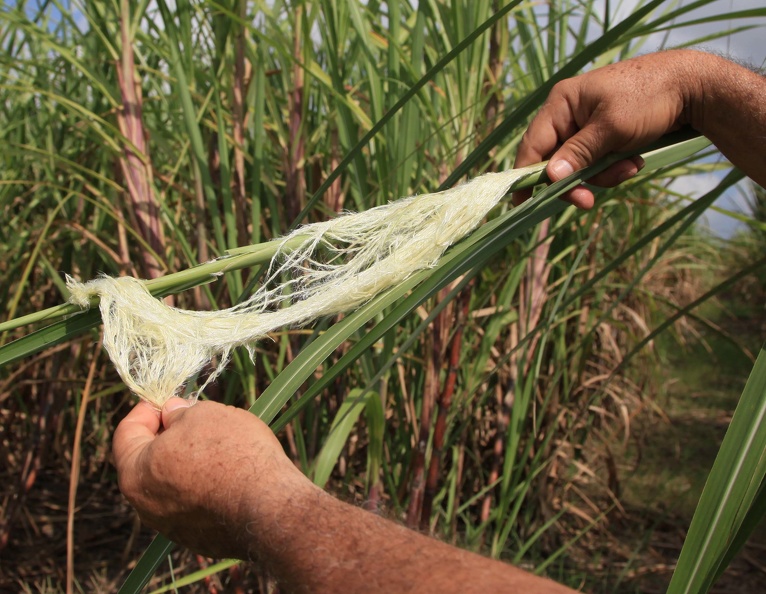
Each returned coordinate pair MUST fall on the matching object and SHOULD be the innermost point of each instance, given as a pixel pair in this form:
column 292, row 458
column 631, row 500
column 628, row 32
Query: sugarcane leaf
column 344, row 422
column 734, row 486
column 154, row 554
column 197, row 576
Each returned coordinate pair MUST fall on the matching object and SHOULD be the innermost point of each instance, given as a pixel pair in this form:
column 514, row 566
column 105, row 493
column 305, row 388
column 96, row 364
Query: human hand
column 618, row 108
column 216, row 480
column 205, row 475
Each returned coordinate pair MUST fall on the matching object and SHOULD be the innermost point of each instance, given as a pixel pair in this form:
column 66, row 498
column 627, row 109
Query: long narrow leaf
column 732, row 488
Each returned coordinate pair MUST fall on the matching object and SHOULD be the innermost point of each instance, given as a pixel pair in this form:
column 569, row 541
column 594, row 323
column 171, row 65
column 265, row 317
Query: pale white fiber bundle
column 341, row 264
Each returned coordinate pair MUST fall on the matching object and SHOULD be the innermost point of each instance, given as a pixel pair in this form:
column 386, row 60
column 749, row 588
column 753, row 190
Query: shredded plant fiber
column 340, row 264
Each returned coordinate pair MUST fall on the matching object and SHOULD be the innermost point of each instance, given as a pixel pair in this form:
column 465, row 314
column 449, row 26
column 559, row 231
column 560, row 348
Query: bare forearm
column 217, row 481
column 731, row 112
column 319, row 544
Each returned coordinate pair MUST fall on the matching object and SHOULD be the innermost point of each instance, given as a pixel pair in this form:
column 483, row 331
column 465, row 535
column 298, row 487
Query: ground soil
column 665, row 468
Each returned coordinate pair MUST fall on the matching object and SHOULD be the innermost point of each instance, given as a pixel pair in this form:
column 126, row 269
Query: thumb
column 137, row 430
column 579, row 151
column 173, row 410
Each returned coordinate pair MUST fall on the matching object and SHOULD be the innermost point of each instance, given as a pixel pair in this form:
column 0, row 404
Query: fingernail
column 629, row 168
column 626, row 174
column 175, row 404
column 561, row 169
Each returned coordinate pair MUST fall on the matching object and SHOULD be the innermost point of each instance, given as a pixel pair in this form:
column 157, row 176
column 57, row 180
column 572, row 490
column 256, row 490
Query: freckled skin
column 194, row 477
column 625, row 106
column 217, row 481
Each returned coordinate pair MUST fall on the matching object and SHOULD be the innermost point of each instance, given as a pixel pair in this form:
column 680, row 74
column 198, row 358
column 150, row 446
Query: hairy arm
column 333, row 547
column 216, row 480
column 625, row 106
column 731, row 111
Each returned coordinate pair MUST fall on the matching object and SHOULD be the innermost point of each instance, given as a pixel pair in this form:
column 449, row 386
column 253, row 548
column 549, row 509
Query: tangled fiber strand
column 340, row 264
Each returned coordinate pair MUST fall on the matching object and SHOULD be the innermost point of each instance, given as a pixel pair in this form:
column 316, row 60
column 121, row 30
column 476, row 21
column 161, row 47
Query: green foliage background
column 147, row 138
